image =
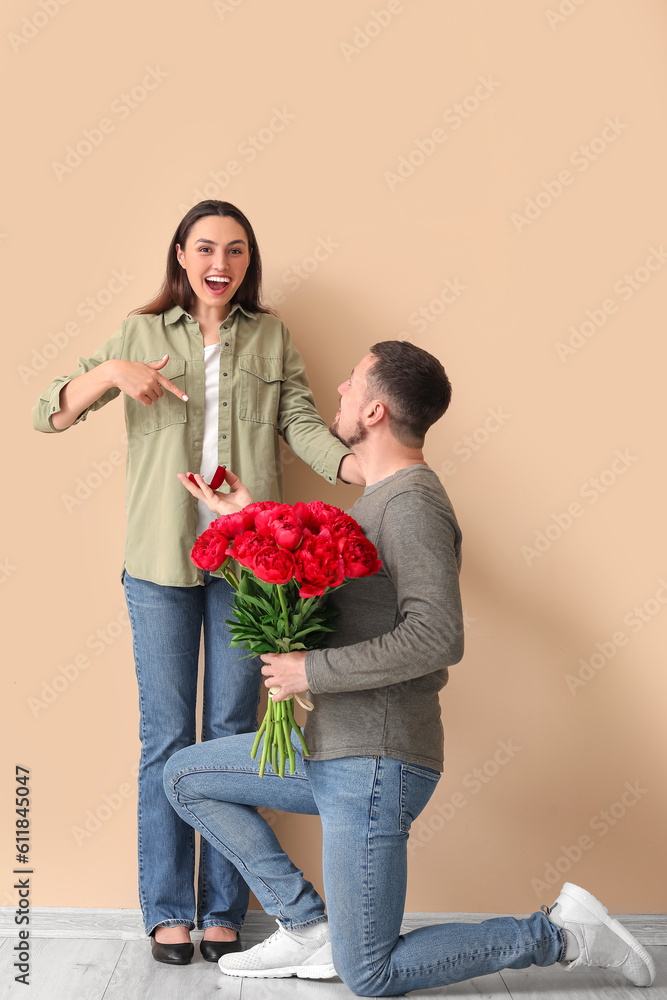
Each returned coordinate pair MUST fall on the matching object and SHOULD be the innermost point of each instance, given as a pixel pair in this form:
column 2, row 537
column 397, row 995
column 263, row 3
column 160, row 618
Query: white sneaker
column 603, row 942
column 282, row 955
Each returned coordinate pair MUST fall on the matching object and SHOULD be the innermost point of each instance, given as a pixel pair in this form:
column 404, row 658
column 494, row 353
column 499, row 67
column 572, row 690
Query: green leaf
column 312, row 628
column 258, row 602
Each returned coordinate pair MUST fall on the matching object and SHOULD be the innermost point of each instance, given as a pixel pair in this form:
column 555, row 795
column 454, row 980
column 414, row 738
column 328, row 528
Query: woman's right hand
column 142, row 380
column 219, row 503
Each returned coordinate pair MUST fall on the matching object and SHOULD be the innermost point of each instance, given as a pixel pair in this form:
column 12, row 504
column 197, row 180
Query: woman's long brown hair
column 176, row 290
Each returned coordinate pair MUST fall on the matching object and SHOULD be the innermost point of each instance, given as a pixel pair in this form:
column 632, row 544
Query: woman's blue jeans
column 366, row 805
column 166, row 629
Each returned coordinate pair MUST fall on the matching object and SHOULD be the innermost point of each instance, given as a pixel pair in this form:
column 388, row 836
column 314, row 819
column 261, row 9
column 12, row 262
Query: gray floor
column 109, row 968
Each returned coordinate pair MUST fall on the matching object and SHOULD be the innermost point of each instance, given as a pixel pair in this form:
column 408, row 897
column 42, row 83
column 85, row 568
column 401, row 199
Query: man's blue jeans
column 366, row 805
column 166, row 629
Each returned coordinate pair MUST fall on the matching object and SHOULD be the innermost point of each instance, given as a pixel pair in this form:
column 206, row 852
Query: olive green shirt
column 264, row 393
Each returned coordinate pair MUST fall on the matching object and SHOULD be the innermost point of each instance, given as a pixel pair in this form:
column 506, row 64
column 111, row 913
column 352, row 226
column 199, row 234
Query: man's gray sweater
column 377, row 683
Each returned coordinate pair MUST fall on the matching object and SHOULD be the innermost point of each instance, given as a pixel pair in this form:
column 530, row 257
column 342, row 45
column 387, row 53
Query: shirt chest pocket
column 169, row 409
column 260, row 381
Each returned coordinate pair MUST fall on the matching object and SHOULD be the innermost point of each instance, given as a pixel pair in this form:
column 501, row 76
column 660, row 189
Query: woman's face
column 215, row 257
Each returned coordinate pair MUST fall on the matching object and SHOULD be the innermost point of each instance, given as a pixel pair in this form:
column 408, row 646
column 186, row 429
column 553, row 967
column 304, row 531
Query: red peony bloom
column 360, row 557
column 321, row 513
column 303, row 512
column 287, row 529
column 318, row 566
column 245, row 547
column 273, row 564
column 342, row 528
column 251, row 510
column 263, row 518
column 231, row 524
column 210, row 550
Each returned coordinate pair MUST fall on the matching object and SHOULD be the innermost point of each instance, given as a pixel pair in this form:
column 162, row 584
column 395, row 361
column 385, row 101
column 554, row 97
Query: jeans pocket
column 417, row 786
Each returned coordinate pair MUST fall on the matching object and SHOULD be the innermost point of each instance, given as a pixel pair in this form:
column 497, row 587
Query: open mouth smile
column 217, row 284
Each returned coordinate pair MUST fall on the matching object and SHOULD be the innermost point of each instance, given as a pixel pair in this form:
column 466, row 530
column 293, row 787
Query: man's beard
column 358, row 435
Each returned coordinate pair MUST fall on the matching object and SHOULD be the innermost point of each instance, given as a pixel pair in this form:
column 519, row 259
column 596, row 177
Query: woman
column 209, row 377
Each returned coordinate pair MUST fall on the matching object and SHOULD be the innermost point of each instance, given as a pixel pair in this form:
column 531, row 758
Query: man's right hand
column 142, row 381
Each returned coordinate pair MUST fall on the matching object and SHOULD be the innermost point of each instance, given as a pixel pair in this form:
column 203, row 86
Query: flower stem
column 283, row 605
column 255, row 746
column 268, row 737
column 290, row 715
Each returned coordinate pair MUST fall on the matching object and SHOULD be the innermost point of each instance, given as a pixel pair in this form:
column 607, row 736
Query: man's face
column 348, row 425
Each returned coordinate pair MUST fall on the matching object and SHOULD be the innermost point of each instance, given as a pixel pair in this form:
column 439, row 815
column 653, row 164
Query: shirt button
column 225, row 374
column 226, row 343
column 224, row 404
column 224, row 437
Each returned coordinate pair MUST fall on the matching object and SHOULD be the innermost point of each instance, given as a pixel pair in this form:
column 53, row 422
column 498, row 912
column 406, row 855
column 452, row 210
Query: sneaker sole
column 302, row 971
column 600, row 911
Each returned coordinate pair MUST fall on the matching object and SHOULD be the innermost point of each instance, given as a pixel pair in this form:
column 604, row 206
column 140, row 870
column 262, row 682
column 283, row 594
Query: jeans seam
column 205, row 924
column 368, row 928
column 306, row 923
column 171, row 922
column 200, row 826
column 229, row 770
column 140, row 856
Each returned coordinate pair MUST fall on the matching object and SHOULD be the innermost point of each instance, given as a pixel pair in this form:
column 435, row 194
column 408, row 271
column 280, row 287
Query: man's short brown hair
column 412, row 384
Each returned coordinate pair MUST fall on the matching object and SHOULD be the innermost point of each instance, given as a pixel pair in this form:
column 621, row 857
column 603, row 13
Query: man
column 375, row 739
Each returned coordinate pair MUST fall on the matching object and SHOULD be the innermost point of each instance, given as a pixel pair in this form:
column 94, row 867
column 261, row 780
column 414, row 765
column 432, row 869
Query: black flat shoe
column 172, row 954
column 213, row 950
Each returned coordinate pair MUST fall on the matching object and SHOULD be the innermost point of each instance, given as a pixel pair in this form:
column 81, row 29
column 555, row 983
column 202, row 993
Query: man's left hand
column 286, row 671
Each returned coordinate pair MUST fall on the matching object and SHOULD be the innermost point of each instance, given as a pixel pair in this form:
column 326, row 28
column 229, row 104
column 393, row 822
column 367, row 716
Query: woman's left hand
column 286, row 671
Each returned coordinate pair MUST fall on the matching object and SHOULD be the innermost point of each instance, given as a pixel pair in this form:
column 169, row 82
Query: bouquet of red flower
column 290, row 557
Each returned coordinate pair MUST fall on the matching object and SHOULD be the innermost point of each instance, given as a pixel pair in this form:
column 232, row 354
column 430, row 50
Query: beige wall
column 537, row 424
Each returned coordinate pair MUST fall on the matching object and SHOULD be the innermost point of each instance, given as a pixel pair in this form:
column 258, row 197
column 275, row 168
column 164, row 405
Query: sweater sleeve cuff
column 314, row 657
